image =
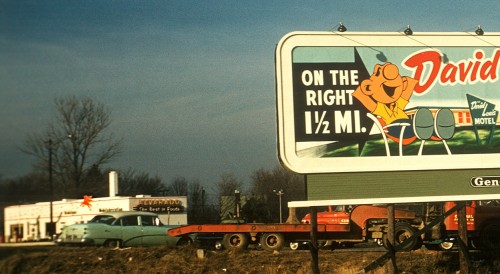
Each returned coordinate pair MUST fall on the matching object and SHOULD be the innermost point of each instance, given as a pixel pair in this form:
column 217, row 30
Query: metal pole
column 237, row 204
column 281, row 213
column 279, row 193
column 463, row 254
column 203, row 201
column 314, row 241
column 51, row 189
column 392, row 267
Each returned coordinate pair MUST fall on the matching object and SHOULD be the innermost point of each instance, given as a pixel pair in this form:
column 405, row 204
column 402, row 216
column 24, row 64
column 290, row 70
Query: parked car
column 119, row 229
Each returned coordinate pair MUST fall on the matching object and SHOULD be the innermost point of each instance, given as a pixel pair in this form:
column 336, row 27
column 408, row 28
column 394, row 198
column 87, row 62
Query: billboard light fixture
column 341, row 27
column 408, row 30
column 479, row 30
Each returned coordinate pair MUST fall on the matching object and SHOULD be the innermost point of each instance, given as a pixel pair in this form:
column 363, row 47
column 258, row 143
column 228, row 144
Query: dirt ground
column 96, row 260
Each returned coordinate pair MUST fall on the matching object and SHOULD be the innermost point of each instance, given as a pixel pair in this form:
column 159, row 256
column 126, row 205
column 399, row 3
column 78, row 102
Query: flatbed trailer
column 270, row 236
column 363, row 223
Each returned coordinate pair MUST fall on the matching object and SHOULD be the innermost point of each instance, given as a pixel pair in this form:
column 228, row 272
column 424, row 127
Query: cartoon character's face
column 385, row 85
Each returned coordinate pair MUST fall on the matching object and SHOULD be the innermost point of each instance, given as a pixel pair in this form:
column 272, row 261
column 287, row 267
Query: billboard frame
column 285, row 119
column 462, row 168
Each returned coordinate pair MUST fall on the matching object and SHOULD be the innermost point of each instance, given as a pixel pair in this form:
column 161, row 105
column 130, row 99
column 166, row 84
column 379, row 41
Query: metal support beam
column 463, row 253
column 314, row 240
column 382, row 259
column 392, row 267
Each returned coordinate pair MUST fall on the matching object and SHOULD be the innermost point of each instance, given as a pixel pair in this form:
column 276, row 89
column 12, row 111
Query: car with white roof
column 121, row 229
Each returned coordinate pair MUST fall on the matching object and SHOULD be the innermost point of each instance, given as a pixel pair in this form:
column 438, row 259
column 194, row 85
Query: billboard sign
column 362, row 102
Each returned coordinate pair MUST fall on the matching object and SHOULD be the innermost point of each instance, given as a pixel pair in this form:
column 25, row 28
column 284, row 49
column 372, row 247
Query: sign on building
column 388, row 102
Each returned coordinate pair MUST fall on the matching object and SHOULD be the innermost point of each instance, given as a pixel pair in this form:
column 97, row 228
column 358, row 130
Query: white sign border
column 284, row 87
column 394, row 200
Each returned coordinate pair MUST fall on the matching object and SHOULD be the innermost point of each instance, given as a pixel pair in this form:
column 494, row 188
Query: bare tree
column 75, row 143
column 228, row 184
column 24, row 189
column 196, row 202
column 266, row 184
column 265, row 181
column 132, row 184
column 178, row 187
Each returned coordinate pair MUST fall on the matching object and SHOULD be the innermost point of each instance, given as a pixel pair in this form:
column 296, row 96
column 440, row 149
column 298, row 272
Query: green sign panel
column 401, row 187
column 483, row 114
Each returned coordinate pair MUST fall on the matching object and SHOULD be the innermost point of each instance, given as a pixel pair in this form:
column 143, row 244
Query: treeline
column 75, row 146
column 259, row 198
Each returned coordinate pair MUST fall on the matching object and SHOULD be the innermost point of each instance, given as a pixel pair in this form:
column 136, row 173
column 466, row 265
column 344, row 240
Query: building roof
column 118, row 214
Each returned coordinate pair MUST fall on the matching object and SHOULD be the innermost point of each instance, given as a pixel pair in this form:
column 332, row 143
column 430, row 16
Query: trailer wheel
column 218, row 245
column 272, row 241
column 490, row 236
column 403, row 231
column 235, row 241
column 294, row 245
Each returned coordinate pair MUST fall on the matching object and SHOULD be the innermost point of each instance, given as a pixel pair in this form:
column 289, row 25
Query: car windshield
column 105, row 219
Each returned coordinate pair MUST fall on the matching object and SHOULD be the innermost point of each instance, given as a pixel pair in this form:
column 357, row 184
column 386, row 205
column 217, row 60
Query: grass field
column 463, row 142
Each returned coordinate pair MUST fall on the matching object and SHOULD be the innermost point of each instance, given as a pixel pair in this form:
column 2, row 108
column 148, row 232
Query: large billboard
column 366, row 102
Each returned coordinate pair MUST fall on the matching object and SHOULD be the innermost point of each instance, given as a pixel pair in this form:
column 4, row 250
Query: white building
column 31, row 222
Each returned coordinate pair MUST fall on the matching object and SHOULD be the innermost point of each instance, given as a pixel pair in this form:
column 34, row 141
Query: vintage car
column 120, row 229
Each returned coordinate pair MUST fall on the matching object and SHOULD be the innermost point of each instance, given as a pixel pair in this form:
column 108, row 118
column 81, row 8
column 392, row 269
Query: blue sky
column 191, row 84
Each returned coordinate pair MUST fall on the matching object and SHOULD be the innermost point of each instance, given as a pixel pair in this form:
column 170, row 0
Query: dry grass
column 185, row 260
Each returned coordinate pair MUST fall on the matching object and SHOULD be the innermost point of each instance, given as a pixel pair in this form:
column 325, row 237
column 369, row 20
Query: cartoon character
column 386, row 94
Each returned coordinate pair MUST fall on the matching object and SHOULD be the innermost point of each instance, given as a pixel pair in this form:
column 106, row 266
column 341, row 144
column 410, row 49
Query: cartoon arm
column 408, row 86
column 362, row 93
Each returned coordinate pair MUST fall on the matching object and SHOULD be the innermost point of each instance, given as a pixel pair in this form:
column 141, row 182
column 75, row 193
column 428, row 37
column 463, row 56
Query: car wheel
column 112, row 243
column 490, row 236
column 403, row 231
column 184, row 241
column 446, row 245
column 443, row 246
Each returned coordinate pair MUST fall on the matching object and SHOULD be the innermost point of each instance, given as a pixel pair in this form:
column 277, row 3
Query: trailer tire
column 403, row 231
column 490, row 236
column 294, row 245
column 218, row 245
column 235, row 241
column 272, row 241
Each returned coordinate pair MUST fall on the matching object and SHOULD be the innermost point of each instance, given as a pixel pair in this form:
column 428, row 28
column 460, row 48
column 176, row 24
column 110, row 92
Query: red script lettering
column 428, row 67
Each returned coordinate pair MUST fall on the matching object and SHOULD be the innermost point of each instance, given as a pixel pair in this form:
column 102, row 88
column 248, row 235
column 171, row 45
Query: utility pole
column 279, row 193
column 51, row 189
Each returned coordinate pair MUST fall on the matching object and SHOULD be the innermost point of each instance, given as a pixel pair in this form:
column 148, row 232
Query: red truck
column 483, row 224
